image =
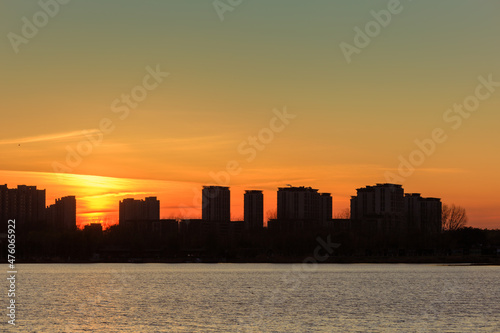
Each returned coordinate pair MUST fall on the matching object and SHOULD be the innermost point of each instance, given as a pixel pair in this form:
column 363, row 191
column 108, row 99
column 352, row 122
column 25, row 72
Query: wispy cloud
column 183, row 140
column 91, row 181
column 93, row 212
column 444, row 170
column 431, row 170
column 117, row 194
column 50, row 137
column 186, row 143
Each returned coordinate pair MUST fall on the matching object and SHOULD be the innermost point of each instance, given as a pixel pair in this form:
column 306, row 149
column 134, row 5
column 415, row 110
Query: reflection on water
column 256, row 298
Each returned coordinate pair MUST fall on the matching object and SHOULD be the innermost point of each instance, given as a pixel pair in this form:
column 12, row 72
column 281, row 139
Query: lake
column 255, row 298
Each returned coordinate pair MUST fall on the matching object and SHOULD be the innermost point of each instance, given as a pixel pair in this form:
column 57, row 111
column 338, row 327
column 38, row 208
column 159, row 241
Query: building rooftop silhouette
column 216, row 203
column 253, row 210
column 132, row 209
column 25, row 204
column 385, row 208
column 62, row 214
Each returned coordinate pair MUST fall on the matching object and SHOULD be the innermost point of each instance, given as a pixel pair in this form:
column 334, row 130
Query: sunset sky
column 268, row 88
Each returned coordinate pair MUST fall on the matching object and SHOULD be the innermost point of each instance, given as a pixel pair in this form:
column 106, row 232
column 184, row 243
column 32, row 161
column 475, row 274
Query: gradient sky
column 353, row 121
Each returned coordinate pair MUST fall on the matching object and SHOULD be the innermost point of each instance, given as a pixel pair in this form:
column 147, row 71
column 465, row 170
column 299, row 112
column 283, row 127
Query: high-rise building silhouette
column 423, row 214
column 298, row 203
column 25, row 204
column 4, row 193
column 326, row 208
column 379, row 208
column 62, row 214
column 216, row 204
column 134, row 210
column 254, row 210
column 302, row 207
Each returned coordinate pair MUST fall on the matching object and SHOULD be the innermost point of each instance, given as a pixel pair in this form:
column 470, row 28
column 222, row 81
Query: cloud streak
column 50, row 137
column 113, row 195
column 432, row 170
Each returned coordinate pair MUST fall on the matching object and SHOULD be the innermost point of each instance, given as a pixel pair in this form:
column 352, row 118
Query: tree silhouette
column 272, row 214
column 343, row 214
column 453, row 217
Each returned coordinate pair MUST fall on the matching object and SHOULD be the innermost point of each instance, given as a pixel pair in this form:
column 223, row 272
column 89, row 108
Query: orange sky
column 98, row 197
column 154, row 98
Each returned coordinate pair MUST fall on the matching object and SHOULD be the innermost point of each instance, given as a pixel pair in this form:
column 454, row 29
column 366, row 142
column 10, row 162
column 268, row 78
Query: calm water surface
column 256, row 298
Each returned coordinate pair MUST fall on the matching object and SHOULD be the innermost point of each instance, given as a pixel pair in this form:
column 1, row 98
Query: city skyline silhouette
column 265, row 214
column 385, row 224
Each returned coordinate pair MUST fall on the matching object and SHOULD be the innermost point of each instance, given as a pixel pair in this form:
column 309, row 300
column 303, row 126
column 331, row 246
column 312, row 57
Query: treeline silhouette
column 121, row 244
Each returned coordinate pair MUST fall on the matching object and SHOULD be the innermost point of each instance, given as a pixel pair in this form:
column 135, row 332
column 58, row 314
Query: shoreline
column 445, row 261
